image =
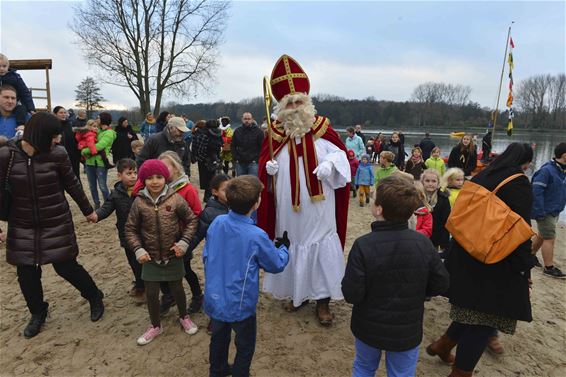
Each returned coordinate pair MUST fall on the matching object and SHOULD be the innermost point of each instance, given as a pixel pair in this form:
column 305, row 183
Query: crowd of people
column 283, row 209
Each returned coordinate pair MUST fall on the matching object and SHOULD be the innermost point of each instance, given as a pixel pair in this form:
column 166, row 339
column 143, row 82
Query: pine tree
column 88, row 96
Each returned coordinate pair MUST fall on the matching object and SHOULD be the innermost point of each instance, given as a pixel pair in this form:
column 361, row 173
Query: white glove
column 323, row 170
column 271, row 167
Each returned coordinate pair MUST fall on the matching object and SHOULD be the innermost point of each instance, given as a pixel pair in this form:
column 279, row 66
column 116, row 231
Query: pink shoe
column 188, row 325
column 150, row 334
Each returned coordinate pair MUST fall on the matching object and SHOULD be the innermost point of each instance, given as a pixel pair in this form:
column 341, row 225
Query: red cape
column 266, row 211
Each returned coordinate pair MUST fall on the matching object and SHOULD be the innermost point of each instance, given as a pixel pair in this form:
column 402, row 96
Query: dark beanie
column 560, row 150
column 153, row 167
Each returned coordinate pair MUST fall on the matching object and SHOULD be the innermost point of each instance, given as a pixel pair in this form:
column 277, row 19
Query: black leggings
column 191, row 278
column 472, row 340
column 29, row 278
column 152, row 294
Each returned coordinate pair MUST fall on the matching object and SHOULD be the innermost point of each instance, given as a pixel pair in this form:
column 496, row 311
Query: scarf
column 416, row 159
column 307, row 151
column 432, row 199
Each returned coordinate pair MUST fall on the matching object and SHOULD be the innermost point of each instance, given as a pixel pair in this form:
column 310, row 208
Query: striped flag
column 510, row 96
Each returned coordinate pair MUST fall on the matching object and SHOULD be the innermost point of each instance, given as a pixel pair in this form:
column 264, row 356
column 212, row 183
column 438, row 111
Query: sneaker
column 537, row 263
column 554, row 272
column 150, row 334
column 188, row 326
column 195, row 304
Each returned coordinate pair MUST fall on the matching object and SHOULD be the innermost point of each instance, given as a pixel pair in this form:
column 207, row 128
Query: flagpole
column 496, row 110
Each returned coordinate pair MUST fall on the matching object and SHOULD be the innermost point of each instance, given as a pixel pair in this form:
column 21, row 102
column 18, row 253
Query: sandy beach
column 287, row 344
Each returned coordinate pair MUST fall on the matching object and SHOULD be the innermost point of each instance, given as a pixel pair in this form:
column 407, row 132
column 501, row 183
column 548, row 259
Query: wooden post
column 48, row 88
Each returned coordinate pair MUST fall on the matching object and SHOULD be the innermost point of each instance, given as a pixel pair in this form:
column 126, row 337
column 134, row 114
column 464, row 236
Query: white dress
column 316, row 259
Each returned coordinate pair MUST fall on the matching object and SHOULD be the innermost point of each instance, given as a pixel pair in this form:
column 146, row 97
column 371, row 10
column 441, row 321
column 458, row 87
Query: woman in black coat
column 40, row 226
column 464, row 155
column 207, row 142
column 122, row 146
column 162, row 120
column 68, row 140
column 396, row 146
column 489, row 297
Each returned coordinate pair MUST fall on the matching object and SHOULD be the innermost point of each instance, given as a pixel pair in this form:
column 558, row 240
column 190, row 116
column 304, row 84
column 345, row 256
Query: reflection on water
column 544, row 149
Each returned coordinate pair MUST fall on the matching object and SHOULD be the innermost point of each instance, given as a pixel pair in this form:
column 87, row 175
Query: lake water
column 544, row 149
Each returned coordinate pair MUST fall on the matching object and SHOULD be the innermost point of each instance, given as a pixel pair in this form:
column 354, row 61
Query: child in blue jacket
column 364, row 179
column 234, row 252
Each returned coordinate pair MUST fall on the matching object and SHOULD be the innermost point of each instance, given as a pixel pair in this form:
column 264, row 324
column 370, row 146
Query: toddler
column 389, row 273
column 159, row 229
column 86, row 137
column 364, row 179
column 435, row 162
column 452, row 182
column 23, row 95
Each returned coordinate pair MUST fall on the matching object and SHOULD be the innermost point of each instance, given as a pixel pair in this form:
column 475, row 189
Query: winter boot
column 442, row 348
column 34, row 325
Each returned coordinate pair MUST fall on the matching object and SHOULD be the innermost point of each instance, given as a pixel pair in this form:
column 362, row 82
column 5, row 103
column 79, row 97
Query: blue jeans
column 399, row 364
column 246, row 169
column 97, row 174
column 220, row 343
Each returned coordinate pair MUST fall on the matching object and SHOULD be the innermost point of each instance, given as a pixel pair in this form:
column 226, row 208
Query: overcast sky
column 350, row 49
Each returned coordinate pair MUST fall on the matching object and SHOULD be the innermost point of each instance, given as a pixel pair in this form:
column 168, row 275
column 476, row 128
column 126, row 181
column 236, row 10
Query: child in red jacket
column 354, row 163
column 86, row 137
column 423, row 214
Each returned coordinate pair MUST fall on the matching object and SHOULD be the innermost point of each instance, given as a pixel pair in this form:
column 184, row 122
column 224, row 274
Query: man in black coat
column 426, row 145
column 389, row 273
column 170, row 139
column 246, row 146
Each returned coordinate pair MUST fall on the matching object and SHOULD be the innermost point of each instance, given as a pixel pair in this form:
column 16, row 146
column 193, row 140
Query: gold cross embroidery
column 288, row 76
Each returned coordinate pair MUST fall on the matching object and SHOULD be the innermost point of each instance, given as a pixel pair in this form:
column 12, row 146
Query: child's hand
column 144, row 258
column 178, row 250
column 92, row 218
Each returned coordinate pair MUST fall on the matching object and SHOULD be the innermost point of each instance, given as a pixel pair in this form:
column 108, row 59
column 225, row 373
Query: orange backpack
column 484, row 225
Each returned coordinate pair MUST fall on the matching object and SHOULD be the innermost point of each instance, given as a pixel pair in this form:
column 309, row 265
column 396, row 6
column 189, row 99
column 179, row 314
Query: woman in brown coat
column 40, row 226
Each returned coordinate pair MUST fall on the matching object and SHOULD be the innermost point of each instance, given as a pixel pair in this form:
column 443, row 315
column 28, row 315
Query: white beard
column 297, row 122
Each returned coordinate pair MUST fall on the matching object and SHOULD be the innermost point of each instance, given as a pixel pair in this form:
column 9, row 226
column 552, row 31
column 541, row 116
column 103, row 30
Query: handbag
column 7, row 195
column 484, row 225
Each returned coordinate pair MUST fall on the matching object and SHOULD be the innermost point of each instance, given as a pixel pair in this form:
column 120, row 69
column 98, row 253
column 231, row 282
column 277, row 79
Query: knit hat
column 366, row 156
column 152, row 167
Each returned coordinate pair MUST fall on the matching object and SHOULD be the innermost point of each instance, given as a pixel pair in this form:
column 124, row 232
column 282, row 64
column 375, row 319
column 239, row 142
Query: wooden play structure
column 36, row 64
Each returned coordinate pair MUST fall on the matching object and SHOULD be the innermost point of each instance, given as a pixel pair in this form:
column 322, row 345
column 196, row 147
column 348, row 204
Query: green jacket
column 104, row 142
column 384, row 172
column 436, row 163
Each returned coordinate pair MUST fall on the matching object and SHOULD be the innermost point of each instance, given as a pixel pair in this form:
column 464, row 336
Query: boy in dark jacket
column 11, row 77
column 120, row 200
column 389, row 273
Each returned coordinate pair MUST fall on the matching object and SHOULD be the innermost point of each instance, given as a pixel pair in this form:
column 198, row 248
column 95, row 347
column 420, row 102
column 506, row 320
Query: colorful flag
column 511, row 42
column 510, row 99
column 510, row 61
column 510, row 127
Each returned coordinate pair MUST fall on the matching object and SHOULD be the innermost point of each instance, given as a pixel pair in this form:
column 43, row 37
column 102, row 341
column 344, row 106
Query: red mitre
column 288, row 77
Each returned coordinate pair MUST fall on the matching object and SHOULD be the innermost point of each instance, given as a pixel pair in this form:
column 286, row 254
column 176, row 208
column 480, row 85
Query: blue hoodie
column 234, row 252
column 549, row 190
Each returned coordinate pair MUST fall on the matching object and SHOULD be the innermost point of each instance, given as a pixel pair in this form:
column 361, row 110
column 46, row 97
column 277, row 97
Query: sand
column 288, row 344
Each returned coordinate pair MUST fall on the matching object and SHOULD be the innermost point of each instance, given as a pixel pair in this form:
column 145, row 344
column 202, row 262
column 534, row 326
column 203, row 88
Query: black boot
column 96, row 306
column 34, row 325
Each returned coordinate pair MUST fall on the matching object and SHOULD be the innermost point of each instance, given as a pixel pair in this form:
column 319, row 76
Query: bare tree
column 152, row 46
column 438, row 92
column 88, row 96
column 542, row 100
